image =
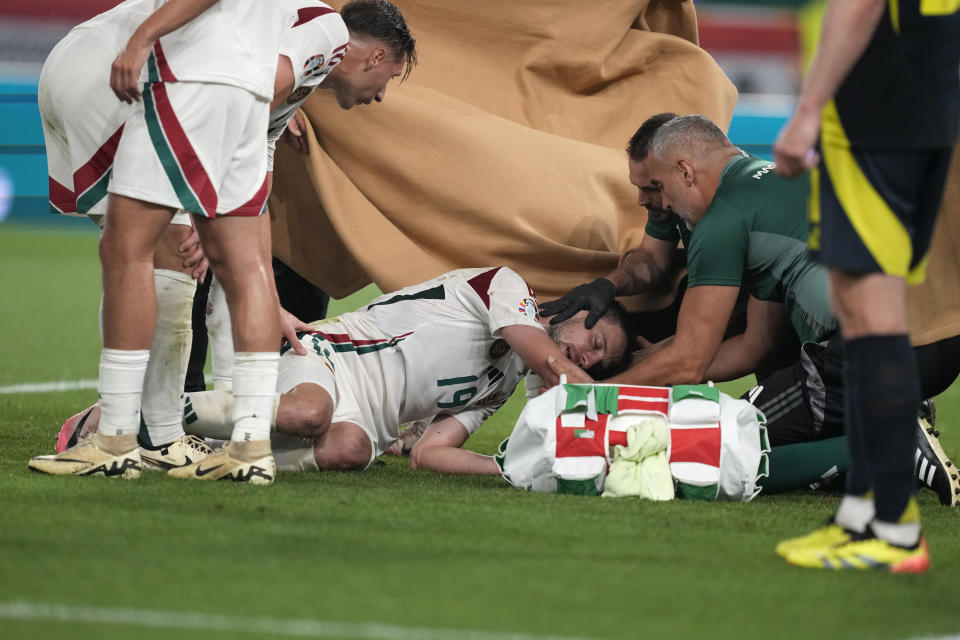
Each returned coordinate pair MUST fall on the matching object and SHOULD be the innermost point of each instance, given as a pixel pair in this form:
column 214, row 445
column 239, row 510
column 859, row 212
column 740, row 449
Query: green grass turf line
column 412, row 548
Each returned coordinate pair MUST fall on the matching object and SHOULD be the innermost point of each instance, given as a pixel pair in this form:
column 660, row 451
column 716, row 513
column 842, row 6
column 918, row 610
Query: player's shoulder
column 487, row 276
column 298, row 13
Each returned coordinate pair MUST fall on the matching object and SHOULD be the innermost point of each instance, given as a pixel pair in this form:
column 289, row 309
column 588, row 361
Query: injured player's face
column 599, row 348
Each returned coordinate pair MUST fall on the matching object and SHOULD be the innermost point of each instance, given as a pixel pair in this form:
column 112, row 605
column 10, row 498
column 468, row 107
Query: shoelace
column 197, row 444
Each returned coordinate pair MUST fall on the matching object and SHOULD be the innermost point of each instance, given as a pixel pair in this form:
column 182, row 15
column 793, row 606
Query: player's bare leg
column 879, row 511
column 235, row 251
column 163, row 444
column 344, row 447
column 129, row 317
column 305, row 411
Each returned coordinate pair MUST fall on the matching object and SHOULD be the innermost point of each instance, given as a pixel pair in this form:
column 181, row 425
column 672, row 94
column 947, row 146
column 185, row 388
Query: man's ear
column 377, row 55
column 686, row 171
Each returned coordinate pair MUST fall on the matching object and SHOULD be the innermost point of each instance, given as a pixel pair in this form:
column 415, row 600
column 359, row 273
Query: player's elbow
column 417, row 458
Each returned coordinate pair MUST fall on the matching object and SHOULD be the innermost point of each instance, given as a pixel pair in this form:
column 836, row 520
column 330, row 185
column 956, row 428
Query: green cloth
column 641, row 468
column 605, row 398
column 704, row 391
column 754, row 235
column 796, row 466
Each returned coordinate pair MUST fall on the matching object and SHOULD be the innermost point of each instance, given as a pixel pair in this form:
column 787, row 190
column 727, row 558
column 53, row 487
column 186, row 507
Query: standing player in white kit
column 196, row 141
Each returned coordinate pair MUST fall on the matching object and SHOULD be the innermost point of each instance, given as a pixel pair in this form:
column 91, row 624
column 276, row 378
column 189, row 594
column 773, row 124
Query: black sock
column 858, row 469
column 883, row 397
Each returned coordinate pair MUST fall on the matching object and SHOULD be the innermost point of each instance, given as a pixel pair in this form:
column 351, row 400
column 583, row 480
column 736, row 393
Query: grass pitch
column 390, row 553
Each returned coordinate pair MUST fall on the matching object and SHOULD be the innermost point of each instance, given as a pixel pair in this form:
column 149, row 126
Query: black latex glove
column 595, row 296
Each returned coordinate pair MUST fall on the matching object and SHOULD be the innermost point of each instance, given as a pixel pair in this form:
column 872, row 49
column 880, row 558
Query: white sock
column 904, row 534
column 293, row 454
column 121, row 383
column 209, row 414
column 162, row 403
column 254, row 390
column 855, row 512
column 220, row 336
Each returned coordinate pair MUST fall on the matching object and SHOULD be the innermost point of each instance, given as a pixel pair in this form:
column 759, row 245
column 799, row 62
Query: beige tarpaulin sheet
column 934, row 309
column 505, row 146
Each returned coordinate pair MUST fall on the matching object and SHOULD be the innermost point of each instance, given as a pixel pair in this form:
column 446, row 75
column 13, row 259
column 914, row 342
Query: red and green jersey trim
column 157, row 68
column 180, row 162
column 255, row 206
column 343, row 343
column 90, row 180
column 62, row 199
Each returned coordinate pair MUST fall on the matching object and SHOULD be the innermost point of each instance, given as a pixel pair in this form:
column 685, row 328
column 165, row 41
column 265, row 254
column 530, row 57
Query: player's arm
column 283, row 82
column 439, row 449
column 640, row 270
column 645, row 268
column 125, row 70
column 542, row 355
column 701, row 323
column 743, row 354
column 847, row 28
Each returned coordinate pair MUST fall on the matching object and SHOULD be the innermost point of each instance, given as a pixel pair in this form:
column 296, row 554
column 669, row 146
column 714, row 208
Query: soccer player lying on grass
column 453, row 347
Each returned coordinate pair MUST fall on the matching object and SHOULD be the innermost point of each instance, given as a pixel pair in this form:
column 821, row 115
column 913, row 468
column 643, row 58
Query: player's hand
column 193, row 256
column 794, row 150
column 289, row 325
column 597, row 296
column 563, row 367
column 294, row 133
column 125, row 70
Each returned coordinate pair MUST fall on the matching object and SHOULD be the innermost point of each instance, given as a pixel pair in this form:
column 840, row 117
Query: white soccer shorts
column 195, row 146
column 319, row 367
column 82, row 123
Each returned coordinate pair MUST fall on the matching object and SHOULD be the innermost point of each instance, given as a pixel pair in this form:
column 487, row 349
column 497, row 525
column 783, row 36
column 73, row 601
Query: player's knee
column 346, row 450
column 356, row 455
column 307, row 421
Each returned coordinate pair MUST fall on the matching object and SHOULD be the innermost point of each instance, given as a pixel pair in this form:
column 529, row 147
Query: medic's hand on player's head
column 596, row 297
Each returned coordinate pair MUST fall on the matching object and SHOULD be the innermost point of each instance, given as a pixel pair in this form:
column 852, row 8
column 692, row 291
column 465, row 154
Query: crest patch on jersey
column 528, row 307
column 498, row 349
column 313, row 65
column 298, row 94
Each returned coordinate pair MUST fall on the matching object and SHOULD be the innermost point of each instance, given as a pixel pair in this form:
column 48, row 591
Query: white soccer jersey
column 234, row 42
column 314, row 39
column 431, row 349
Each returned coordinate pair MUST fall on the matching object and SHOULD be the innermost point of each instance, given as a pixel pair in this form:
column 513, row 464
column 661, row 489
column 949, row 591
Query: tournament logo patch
column 528, row 307
column 498, row 349
column 313, row 65
column 298, row 94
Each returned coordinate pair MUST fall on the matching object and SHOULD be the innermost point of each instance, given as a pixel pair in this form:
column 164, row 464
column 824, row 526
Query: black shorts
column 804, row 401
column 873, row 211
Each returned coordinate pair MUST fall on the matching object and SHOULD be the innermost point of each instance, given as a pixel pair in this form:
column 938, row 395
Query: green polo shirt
column 753, row 235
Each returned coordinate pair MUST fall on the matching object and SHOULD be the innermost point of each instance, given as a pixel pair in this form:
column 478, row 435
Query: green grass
column 392, row 545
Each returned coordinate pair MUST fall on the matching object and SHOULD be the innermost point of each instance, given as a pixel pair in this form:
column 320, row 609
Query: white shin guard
column 220, row 336
column 169, row 356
